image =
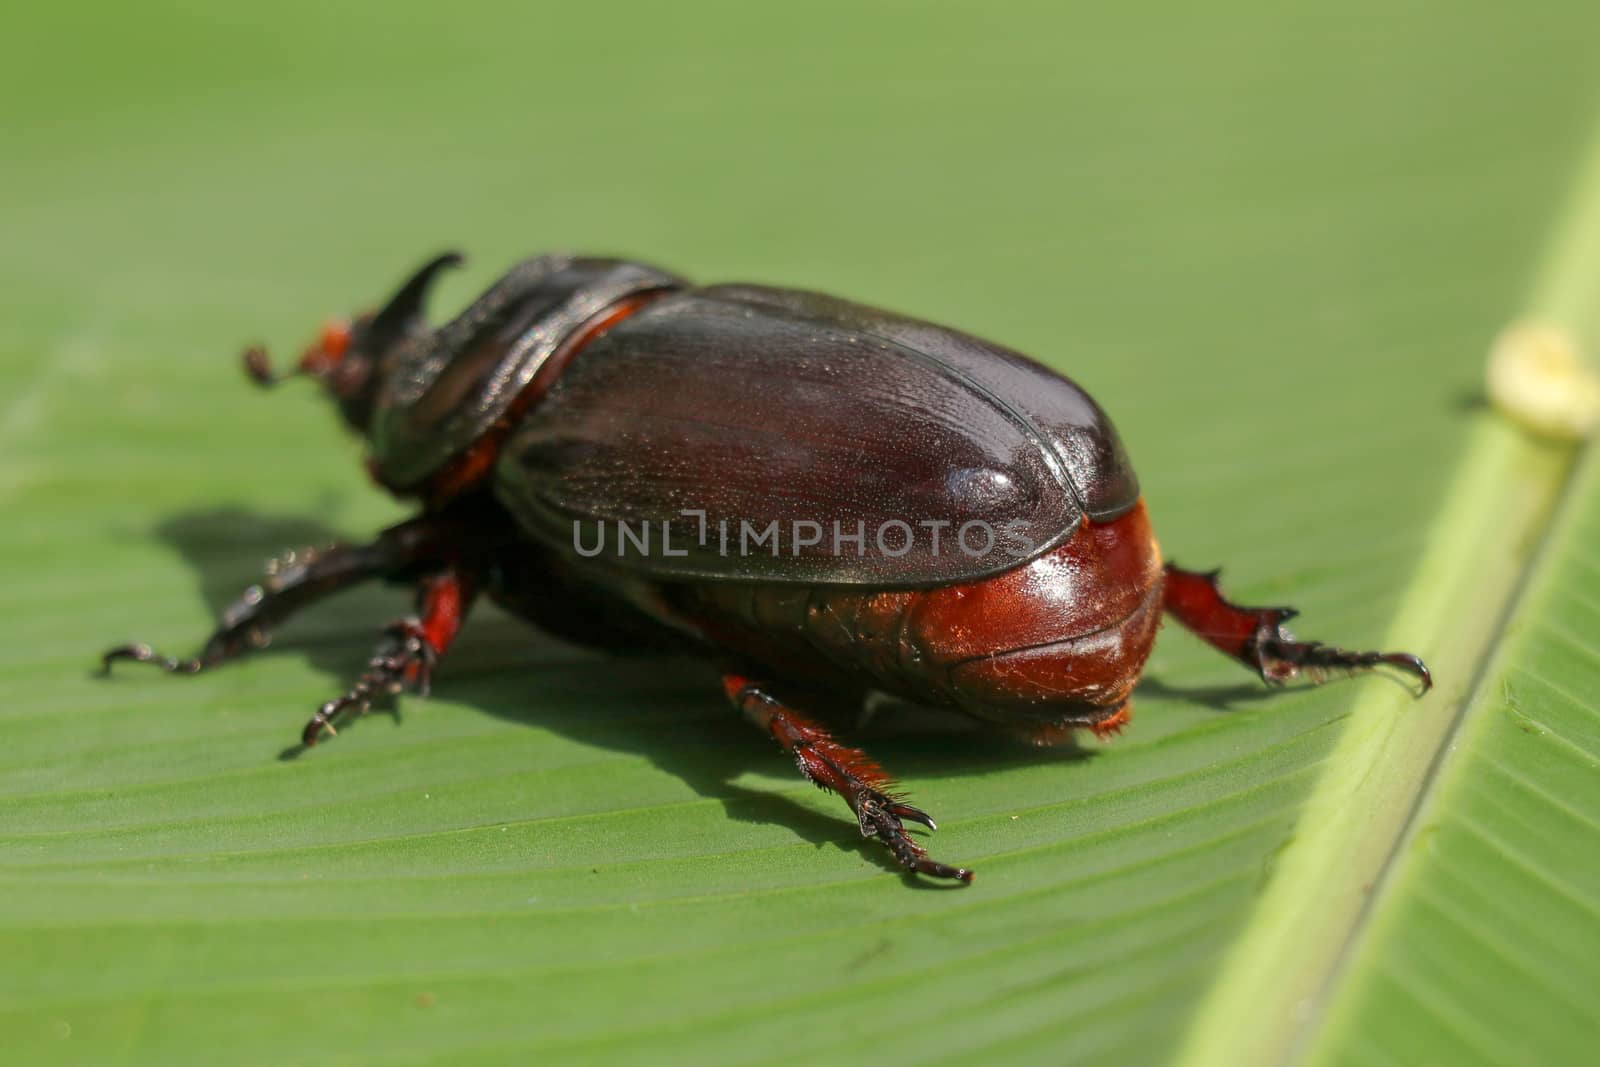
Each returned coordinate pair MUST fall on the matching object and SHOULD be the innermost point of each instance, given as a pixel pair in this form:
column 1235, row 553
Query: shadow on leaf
column 1215, row 697
column 667, row 710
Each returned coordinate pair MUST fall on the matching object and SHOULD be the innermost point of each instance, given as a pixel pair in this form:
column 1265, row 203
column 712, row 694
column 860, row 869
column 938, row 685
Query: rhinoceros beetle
column 827, row 499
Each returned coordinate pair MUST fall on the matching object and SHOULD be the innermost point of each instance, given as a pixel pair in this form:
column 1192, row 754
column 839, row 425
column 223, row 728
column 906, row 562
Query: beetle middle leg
column 1257, row 638
column 850, row 772
column 412, row 647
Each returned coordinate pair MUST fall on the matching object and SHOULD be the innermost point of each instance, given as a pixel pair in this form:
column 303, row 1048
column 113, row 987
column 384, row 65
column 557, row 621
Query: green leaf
column 1476, row 950
column 1275, row 246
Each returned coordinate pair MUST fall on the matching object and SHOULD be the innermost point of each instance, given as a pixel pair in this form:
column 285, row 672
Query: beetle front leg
column 850, row 772
column 1257, row 638
column 293, row 582
column 411, row 649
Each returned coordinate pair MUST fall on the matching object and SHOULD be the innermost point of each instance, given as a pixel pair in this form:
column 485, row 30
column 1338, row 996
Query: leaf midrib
column 1273, row 992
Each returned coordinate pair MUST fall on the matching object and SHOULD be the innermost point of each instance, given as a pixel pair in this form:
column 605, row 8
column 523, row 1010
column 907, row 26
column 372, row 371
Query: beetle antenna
column 258, row 365
column 406, row 305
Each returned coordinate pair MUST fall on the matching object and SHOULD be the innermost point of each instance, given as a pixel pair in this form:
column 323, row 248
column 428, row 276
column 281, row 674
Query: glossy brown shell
column 441, row 390
column 759, row 406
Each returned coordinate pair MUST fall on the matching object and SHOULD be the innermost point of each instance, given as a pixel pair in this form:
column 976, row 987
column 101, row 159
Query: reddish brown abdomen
column 1057, row 641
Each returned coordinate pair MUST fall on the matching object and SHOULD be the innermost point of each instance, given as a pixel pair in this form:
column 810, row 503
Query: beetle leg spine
column 1257, row 638
column 850, row 772
column 415, row 645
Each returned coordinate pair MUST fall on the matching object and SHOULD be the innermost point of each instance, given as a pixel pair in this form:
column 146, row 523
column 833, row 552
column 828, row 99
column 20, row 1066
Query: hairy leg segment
column 1257, row 638
column 424, row 552
column 850, row 772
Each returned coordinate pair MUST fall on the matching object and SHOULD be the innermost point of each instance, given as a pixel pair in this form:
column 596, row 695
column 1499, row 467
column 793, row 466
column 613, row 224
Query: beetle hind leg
column 879, row 808
column 411, row 648
column 1257, row 638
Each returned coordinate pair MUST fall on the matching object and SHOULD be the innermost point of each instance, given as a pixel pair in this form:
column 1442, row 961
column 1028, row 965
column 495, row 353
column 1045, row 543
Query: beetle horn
column 406, row 305
column 396, row 317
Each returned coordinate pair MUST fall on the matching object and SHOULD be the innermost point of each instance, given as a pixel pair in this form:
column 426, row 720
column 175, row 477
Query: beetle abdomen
column 782, row 440
column 1059, row 640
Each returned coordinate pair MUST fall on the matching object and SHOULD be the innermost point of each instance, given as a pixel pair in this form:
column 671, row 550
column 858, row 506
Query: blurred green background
column 1274, row 244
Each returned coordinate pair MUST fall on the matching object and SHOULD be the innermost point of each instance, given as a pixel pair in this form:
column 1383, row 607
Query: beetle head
column 347, row 355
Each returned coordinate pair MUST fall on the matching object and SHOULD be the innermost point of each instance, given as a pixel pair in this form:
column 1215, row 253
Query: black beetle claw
column 906, row 811
column 139, row 652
